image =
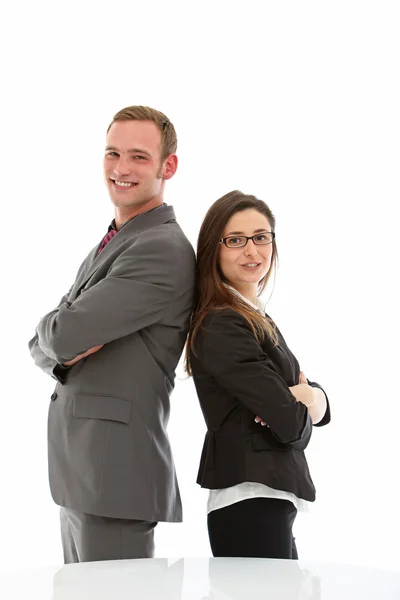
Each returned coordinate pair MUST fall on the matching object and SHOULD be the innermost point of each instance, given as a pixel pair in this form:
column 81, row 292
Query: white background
column 295, row 102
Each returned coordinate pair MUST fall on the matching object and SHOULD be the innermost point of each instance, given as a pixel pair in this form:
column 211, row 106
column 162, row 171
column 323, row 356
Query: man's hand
column 84, row 355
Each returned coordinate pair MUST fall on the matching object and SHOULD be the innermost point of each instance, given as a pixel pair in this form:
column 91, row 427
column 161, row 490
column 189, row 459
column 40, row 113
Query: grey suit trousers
column 87, row 538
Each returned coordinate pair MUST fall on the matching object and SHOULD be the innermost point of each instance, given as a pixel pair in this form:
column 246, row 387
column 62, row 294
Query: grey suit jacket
column 109, row 452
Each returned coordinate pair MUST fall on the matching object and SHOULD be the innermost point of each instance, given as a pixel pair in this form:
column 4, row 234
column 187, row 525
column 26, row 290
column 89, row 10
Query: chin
column 123, row 202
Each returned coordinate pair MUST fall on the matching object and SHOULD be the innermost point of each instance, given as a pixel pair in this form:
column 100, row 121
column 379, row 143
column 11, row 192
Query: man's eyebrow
column 132, row 150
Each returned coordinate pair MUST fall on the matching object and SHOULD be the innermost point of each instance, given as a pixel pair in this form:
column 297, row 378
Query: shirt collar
column 260, row 304
column 113, row 225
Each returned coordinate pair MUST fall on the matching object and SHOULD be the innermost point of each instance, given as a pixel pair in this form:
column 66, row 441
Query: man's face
column 132, row 164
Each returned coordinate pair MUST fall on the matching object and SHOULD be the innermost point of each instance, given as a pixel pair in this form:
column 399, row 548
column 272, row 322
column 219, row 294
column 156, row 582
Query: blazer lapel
column 157, row 216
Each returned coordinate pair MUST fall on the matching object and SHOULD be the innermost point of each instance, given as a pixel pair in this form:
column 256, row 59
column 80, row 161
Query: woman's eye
column 234, row 241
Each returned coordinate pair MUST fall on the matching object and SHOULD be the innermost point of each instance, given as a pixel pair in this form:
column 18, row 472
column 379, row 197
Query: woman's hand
column 303, row 378
column 317, row 406
column 303, row 393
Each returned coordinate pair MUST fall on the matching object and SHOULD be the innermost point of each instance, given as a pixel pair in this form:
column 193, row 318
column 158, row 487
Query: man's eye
column 140, row 157
column 112, row 154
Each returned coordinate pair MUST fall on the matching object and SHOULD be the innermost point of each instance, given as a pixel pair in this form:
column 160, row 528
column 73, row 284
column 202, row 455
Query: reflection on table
column 201, row 579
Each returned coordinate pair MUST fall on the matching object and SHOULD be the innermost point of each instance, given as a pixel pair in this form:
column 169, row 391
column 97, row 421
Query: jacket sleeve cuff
column 327, row 416
column 60, row 373
column 302, row 442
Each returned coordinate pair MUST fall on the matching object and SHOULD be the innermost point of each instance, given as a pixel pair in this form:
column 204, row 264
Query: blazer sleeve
column 135, row 294
column 48, row 365
column 327, row 416
column 228, row 350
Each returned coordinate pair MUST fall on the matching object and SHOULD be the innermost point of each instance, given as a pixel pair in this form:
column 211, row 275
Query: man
column 113, row 344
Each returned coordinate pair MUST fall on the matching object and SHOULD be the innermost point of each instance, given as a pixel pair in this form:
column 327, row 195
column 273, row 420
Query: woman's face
column 244, row 267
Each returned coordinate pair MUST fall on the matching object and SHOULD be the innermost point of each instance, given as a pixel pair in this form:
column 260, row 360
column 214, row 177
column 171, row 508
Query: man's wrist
column 60, row 372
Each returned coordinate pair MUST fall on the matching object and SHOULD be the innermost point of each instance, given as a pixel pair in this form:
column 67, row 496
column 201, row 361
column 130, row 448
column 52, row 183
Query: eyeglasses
column 238, row 241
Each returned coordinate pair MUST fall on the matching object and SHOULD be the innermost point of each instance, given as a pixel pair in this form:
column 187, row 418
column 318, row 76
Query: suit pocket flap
column 93, row 406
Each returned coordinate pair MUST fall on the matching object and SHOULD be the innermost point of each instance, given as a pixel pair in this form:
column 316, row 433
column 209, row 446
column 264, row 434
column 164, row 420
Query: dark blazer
column 237, row 378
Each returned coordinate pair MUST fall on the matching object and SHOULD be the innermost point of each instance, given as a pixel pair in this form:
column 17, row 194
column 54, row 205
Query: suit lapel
column 157, row 216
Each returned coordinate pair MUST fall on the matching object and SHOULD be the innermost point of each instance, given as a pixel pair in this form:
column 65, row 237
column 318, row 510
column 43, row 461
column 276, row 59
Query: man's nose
column 122, row 168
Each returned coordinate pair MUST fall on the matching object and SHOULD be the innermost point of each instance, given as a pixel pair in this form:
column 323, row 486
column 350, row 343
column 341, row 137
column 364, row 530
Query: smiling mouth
column 251, row 266
column 123, row 185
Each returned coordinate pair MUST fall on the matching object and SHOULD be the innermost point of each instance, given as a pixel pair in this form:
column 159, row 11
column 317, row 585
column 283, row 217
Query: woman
column 258, row 406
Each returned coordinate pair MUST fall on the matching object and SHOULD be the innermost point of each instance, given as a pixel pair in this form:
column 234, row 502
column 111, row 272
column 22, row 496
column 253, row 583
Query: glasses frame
column 251, row 237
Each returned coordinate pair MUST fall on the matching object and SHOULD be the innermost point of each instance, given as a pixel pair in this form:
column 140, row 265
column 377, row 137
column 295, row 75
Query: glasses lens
column 235, row 242
column 263, row 238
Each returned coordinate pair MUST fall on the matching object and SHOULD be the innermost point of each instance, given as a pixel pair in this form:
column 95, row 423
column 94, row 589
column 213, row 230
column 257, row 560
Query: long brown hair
column 211, row 292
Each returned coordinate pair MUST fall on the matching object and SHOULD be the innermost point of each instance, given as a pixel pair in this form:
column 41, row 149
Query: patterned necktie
column 109, row 235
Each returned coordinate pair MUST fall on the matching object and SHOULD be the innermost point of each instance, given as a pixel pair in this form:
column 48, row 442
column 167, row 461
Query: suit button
column 54, row 396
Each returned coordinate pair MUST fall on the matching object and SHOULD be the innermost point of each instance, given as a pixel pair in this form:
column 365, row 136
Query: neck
column 248, row 291
column 124, row 214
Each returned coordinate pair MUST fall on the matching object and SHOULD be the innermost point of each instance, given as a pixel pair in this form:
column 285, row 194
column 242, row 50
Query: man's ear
column 170, row 166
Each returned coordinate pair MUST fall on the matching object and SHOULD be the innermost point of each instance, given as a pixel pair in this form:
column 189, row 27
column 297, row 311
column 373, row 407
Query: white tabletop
column 201, row 579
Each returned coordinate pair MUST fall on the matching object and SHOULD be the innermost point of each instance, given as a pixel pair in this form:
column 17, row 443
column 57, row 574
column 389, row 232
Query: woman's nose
column 250, row 248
